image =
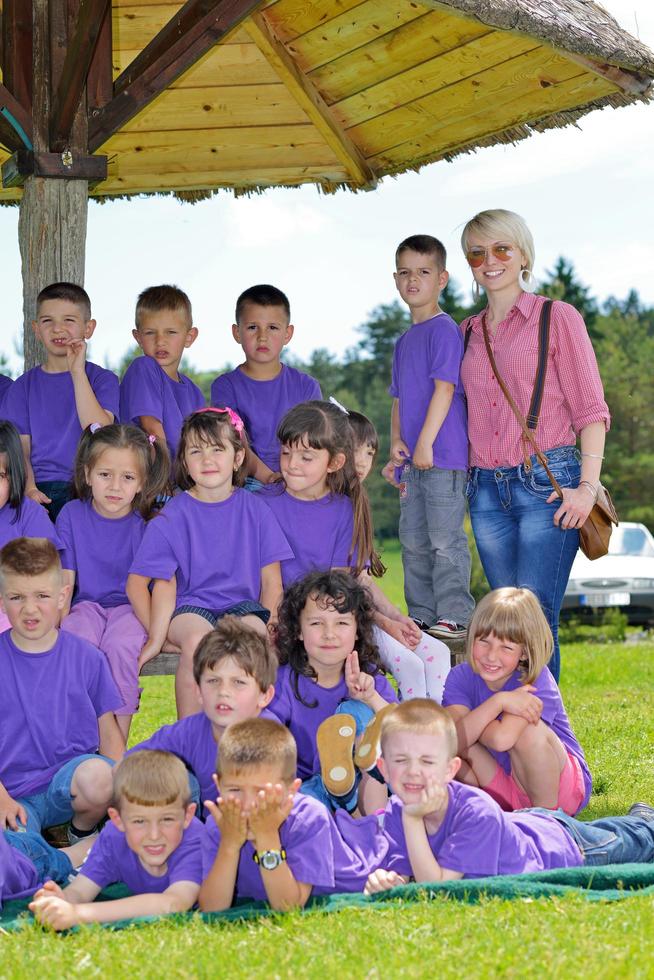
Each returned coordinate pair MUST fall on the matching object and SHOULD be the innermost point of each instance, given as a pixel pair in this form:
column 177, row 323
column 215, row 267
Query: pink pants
column 506, row 791
column 120, row 636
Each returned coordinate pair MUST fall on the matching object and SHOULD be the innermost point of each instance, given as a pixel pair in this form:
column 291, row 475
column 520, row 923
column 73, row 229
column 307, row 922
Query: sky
column 586, row 192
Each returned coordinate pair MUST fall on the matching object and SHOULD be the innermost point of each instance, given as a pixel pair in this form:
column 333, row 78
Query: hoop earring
column 476, row 291
column 527, row 281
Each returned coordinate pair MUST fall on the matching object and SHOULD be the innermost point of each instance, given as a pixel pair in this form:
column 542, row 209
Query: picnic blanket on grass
column 613, row 882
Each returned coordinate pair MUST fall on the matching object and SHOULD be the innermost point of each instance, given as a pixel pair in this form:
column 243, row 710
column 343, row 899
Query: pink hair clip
column 234, row 417
column 152, row 439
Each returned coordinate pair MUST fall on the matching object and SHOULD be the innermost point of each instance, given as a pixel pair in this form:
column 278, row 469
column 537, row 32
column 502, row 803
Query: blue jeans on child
column 49, row 862
column 518, row 543
column 59, row 492
column 435, row 553
column 54, row 806
column 315, row 787
column 609, row 840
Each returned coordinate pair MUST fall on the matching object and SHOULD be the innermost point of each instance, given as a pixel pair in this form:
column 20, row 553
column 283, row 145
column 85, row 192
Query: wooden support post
column 53, row 212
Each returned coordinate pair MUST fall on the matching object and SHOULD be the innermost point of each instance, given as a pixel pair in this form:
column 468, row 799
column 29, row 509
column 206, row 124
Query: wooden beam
column 64, row 166
column 310, row 100
column 196, row 28
column 16, row 50
column 80, row 48
column 17, row 118
column 628, row 81
column 100, row 78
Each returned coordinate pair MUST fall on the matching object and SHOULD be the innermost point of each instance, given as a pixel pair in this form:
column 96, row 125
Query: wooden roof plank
column 243, row 137
column 165, row 161
column 167, row 56
column 310, row 101
column 241, row 177
column 441, row 72
column 232, row 64
column 292, row 18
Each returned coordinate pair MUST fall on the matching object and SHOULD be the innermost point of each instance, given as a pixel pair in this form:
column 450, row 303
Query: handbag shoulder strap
column 468, row 332
column 528, row 434
column 541, row 370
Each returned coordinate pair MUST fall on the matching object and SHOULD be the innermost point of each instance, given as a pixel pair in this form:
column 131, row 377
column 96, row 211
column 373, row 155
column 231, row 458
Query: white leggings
column 419, row 673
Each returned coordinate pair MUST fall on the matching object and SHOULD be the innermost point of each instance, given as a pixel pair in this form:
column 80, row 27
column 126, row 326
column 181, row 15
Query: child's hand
column 148, row 652
column 11, row 812
column 230, row 819
column 423, row 456
column 381, row 881
column 388, row 472
column 360, row 686
column 76, row 356
column 405, row 631
column 399, row 452
column 50, row 889
column 37, row 495
column 432, row 799
column 55, row 912
column 524, row 703
column 274, row 803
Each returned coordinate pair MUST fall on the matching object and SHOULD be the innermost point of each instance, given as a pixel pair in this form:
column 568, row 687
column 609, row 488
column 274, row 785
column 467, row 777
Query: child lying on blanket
column 152, row 844
column 439, row 829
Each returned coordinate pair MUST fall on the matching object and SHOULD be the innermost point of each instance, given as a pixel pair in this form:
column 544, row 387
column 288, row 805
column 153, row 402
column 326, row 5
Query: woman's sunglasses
column 476, row 256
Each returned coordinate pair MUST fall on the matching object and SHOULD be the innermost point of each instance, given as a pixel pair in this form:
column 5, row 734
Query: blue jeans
column 435, row 553
column 315, row 787
column 59, row 492
column 610, row 840
column 49, row 862
column 55, row 804
column 517, row 541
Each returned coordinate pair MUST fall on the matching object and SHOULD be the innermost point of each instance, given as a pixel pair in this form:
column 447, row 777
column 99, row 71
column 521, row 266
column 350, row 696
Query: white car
column 623, row 579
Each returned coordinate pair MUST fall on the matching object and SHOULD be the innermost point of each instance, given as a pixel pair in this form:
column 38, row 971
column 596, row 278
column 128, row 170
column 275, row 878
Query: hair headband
column 234, row 418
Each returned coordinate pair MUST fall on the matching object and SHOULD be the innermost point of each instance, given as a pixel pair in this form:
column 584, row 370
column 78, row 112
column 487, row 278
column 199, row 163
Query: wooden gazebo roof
column 336, row 92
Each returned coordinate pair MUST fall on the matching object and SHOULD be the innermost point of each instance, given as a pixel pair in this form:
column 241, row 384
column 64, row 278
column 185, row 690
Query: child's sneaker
column 642, row 810
column 335, row 741
column 367, row 753
column 448, row 629
column 75, row 836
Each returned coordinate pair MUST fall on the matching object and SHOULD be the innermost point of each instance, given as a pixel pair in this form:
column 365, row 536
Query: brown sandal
column 367, row 753
column 335, row 740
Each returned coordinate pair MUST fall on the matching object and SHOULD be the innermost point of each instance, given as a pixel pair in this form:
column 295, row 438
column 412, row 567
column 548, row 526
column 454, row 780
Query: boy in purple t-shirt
column 262, row 389
column 269, row 843
column 234, row 669
column 152, row 844
column 50, row 405
column 153, row 392
column 429, row 445
column 440, row 830
column 59, row 735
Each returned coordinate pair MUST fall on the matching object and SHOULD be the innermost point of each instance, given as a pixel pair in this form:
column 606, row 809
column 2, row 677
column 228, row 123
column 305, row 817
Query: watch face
column 270, row 860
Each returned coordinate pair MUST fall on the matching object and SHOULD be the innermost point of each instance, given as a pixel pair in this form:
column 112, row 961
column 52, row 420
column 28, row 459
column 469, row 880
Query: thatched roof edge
column 579, row 26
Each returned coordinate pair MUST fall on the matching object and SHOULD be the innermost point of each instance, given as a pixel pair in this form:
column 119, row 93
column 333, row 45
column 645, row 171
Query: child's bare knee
column 92, row 782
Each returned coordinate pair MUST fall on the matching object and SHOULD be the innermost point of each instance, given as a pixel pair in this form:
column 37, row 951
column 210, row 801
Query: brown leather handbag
column 595, row 532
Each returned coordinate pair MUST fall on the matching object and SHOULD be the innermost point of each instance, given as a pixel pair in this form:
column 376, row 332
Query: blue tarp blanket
column 614, row 882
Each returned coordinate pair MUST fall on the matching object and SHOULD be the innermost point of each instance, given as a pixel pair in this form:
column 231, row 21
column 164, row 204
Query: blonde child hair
column 420, row 716
column 257, row 742
column 151, row 777
column 514, row 615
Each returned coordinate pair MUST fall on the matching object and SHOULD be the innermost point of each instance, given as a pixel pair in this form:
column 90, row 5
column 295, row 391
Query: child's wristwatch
column 269, row 860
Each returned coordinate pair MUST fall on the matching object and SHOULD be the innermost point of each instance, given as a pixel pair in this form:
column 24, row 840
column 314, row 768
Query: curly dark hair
column 340, row 590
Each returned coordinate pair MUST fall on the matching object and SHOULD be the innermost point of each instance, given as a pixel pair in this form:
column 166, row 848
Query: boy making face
column 48, row 762
column 234, row 670
column 152, row 844
column 51, row 405
column 262, row 389
column 153, row 392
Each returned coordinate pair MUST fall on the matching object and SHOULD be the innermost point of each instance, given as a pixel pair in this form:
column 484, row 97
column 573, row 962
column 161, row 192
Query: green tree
column 562, row 283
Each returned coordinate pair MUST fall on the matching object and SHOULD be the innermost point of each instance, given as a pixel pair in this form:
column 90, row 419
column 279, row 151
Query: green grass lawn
column 609, row 692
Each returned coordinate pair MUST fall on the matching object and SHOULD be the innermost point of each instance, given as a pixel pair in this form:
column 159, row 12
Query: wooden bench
column 166, row 663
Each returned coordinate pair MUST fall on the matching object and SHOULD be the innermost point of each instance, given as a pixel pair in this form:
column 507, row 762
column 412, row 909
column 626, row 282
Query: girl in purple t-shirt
column 331, row 688
column 118, row 473
column 20, row 516
column 214, row 549
column 514, row 734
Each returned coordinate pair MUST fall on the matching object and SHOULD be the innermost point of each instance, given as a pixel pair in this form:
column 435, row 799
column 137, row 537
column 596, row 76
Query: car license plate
column 596, row 599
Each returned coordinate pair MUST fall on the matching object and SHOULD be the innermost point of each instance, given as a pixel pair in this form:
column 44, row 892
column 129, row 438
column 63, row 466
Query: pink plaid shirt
column 573, row 396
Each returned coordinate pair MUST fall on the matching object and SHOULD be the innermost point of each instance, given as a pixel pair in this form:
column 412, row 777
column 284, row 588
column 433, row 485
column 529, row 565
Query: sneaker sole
column 445, row 634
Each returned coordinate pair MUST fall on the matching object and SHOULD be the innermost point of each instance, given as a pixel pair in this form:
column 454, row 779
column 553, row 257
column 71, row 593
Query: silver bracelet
column 589, row 486
column 593, row 455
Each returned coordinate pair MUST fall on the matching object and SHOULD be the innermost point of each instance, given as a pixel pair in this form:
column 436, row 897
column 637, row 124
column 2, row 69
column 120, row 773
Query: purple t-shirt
column 49, row 705
column 18, row 876
column 263, row 404
column 192, row 740
column 304, row 722
column 5, row 385
column 316, row 852
column 217, row 550
column 31, row 522
column 99, row 550
column 42, row 405
column 111, row 860
column 463, row 686
column 478, row 839
column 318, row 531
column 146, row 389
column 428, row 352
